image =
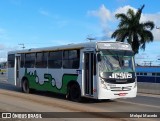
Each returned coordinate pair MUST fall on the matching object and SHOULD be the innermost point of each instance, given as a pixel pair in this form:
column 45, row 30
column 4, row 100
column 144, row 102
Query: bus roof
column 77, row 46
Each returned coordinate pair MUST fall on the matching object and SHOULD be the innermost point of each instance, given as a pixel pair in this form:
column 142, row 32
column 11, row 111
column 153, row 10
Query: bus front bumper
column 114, row 94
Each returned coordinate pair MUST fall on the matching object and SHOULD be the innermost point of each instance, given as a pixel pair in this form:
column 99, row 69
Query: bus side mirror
column 99, row 57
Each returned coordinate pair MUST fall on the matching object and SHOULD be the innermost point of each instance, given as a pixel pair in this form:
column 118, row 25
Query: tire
column 25, row 86
column 75, row 93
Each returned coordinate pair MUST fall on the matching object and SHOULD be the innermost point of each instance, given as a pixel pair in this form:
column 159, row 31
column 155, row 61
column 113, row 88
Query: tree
column 131, row 30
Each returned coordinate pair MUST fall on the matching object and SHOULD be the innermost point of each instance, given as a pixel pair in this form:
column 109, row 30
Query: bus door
column 17, row 70
column 88, row 73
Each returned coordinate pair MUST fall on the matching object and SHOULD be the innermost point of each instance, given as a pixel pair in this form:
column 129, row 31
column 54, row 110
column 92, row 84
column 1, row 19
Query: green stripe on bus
column 49, row 83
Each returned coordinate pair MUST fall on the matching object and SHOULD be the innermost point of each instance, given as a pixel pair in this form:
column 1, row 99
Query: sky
column 42, row 23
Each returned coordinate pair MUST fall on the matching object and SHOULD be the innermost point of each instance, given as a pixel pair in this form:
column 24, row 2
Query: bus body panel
column 54, row 80
column 11, row 76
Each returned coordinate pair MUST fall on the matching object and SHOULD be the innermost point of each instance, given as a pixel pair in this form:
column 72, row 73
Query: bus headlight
column 135, row 84
column 103, row 84
column 102, row 81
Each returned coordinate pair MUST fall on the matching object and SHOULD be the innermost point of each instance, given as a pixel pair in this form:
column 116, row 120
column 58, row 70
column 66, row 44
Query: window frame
column 70, row 62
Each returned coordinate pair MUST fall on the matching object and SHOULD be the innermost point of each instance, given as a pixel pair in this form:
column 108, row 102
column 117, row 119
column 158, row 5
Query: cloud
column 3, row 53
column 48, row 14
column 124, row 9
column 108, row 20
column 141, row 56
column 156, row 19
column 156, row 34
column 105, row 15
column 62, row 42
column 158, row 56
column 4, row 50
column 102, row 13
column 2, row 31
column 2, row 47
column 60, row 22
column 3, row 35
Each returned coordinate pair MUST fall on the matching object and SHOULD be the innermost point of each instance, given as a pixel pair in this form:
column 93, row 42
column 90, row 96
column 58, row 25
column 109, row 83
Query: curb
column 149, row 95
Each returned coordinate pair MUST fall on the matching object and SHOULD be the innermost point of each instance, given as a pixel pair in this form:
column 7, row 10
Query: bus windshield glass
column 116, row 61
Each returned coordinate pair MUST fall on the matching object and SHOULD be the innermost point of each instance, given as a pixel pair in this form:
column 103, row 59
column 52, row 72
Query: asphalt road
column 13, row 100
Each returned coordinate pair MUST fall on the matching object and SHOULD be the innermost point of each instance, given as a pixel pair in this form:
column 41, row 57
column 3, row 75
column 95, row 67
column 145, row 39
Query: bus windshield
column 116, row 61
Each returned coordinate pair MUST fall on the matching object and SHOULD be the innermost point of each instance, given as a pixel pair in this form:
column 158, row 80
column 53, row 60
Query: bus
column 97, row 70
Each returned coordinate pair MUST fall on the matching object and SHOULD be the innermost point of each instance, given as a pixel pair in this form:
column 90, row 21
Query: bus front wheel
column 25, row 86
column 75, row 93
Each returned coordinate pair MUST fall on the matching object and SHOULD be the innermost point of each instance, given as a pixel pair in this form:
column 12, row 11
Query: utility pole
column 90, row 37
column 22, row 45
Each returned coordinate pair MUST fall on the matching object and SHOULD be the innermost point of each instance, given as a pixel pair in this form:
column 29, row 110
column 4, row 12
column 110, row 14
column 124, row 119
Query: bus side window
column 41, row 59
column 71, row 59
column 55, row 59
column 76, row 60
column 30, row 60
column 11, row 60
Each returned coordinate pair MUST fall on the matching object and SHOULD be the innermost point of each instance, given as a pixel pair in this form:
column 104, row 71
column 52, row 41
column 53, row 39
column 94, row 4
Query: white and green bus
column 98, row 70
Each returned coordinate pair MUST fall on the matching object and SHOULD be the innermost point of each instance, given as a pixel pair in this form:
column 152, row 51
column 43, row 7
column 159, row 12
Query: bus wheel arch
column 25, row 85
column 74, row 91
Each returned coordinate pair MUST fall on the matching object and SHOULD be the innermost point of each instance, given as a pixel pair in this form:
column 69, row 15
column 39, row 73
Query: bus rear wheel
column 25, row 86
column 75, row 93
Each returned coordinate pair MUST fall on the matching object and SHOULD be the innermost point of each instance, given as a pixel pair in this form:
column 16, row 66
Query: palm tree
column 131, row 30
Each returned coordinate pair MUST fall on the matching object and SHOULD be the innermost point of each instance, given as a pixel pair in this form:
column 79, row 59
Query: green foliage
column 131, row 30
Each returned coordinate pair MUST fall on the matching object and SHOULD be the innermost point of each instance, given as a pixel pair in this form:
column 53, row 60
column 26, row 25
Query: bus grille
column 121, row 88
column 111, row 81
